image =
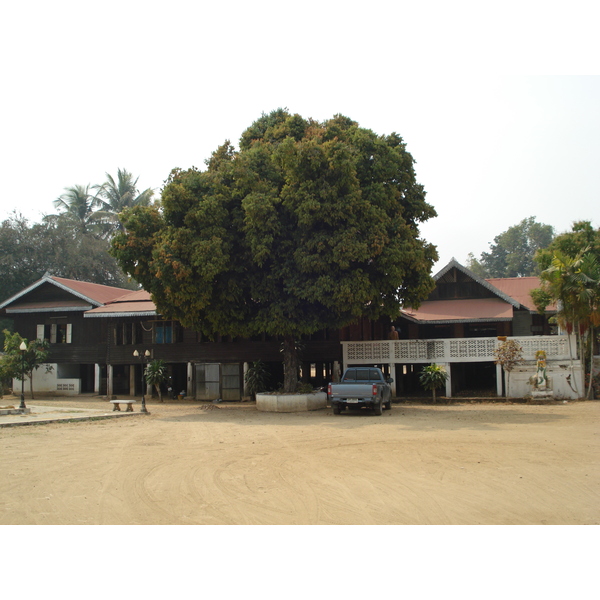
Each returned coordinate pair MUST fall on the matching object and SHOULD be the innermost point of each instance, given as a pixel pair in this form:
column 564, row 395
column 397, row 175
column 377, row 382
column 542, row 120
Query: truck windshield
column 362, row 375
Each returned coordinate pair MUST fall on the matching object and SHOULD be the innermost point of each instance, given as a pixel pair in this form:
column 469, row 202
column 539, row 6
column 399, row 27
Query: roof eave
column 93, row 315
column 15, row 311
column 462, row 321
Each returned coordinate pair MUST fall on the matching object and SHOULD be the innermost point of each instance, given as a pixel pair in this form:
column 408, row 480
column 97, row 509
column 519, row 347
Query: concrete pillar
column 499, row 380
column 190, row 380
column 109, row 382
column 97, row 373
column 335, row 376
column 392, row 369
column 448, row 368
column 132, row 380
column 245, row 370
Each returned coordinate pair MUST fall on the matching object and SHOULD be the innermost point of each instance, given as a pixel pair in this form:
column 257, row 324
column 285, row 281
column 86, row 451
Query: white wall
column 558, row 372
column 48, row 383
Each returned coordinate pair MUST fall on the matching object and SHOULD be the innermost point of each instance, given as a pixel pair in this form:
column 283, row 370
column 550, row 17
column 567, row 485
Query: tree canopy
column 27, row 251
column 308, row 225
column 513, row 252
column 571, row 279
column 17, row 364
column 582, row 237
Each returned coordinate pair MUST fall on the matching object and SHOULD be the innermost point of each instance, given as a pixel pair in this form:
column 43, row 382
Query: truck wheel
column 378, row 408
column 336, row 409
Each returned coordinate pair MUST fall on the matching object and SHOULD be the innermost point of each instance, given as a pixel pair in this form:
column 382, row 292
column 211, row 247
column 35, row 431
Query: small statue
column 541, row 378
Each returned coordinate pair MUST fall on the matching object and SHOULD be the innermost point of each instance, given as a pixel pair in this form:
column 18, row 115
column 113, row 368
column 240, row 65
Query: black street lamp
column 23, row 349
column 144, row 358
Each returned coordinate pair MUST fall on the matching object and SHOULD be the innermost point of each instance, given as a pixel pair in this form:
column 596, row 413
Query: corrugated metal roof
column 461, row 311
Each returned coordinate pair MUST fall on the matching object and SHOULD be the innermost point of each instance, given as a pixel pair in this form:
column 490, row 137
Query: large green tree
column 582, row 238
column 308, row 225
column 513, row 252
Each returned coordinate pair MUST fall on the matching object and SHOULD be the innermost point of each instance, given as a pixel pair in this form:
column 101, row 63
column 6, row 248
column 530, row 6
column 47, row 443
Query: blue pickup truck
column 361, row 386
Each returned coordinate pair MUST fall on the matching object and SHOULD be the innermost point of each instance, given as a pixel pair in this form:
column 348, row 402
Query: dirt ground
column 467, row 463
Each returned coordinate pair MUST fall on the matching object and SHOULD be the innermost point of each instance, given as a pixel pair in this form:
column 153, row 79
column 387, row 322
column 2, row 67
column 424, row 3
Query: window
column 55, row 333
column 126, row 334
column 167, row 332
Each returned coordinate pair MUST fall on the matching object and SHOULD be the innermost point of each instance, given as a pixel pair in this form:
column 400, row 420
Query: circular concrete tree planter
column 291, row 402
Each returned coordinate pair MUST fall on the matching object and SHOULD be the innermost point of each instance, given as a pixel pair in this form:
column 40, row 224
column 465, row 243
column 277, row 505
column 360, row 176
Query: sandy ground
column 466, row 463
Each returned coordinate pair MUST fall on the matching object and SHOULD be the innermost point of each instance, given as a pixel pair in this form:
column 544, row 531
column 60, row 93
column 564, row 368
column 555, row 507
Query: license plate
column 352, row 400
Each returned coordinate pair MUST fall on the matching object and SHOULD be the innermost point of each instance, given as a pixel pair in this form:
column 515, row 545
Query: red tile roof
column 138, row 303
column 83, row 295
column 519, row 288
column 95, row 291
column 462, row 311
column 135, row 296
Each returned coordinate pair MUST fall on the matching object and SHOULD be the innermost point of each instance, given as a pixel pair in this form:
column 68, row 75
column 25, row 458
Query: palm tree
column 116, row 196
column 589, row 296
column 78, row 207
column 433, row 377
column 563, row 283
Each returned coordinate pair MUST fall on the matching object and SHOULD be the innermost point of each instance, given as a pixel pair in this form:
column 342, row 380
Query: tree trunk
column 591, row 334
column 157, row 386
column 290, row 365
column 31, row 384
column 433, row 395
column 573, row 378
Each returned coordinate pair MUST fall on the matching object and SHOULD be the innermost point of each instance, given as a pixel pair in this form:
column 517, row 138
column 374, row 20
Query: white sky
column 497, row 102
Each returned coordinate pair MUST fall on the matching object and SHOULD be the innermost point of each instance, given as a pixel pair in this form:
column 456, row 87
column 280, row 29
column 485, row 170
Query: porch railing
column 451, row 350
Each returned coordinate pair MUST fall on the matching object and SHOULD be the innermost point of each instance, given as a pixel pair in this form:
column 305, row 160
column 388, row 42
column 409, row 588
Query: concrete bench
column 129, row 403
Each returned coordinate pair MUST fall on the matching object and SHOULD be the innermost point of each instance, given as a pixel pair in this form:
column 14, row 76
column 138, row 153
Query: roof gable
column 51, row 294
column 445, row 276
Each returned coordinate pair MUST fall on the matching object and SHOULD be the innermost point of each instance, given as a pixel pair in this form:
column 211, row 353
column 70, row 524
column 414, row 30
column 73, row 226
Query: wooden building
column 94, row 330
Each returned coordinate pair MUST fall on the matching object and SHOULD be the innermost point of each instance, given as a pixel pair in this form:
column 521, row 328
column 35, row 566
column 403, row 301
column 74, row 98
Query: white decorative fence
column 451, row 350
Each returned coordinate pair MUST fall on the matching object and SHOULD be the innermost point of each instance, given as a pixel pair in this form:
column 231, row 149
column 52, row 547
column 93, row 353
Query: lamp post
column 143, row 357
column 23, row 349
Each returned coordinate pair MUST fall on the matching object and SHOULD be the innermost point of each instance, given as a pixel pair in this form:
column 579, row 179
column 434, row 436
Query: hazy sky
column 498, row 102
